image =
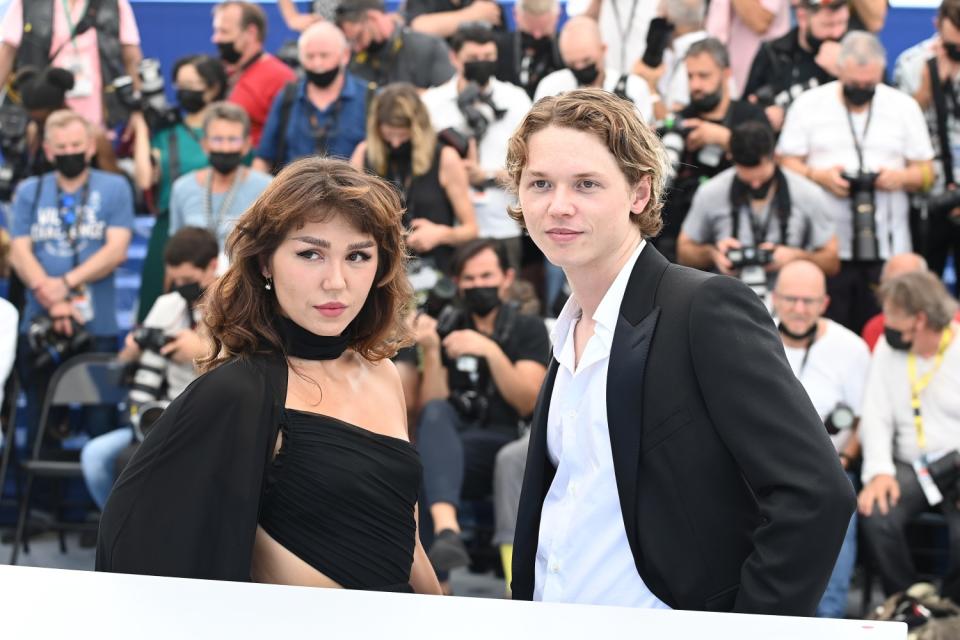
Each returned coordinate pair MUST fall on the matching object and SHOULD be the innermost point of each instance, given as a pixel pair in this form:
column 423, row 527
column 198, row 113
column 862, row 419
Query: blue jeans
column 833, row 604
column 98, row 459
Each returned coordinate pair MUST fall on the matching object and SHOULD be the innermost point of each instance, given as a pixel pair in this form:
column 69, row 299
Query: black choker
column 300, row 343
column 809, row 333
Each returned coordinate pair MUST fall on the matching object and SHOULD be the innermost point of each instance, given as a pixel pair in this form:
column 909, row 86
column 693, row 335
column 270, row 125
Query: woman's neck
column 194, row 120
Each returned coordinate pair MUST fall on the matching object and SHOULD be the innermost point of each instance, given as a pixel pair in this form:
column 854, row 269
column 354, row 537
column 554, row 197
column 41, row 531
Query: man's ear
column 641, row 195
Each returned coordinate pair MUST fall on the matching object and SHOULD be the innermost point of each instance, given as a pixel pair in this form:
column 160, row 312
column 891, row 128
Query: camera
column 470, row 404
column 841, row 418
column 945, row 472
column 151, row 100
column 470, row 103
column 149, row 376
column 13, row 144
column 674, row 139
column 942, row 204
column 749, row 257
column 145, row 415
column 863, row 205
column 658, row 37
column 50, row 348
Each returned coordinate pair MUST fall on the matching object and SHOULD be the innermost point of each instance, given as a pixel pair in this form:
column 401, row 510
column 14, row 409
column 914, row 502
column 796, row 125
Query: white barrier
column 53, row 603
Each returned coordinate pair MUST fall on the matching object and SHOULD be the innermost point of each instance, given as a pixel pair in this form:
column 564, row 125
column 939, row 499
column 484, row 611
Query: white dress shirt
column 583, row 555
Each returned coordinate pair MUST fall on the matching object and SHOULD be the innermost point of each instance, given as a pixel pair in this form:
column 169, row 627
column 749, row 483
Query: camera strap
column 917, row 385
column 623, row 30
column 779, row 206
column 321, row 132
column 213, row 222
column 70, row 214
column 858, row 143
column 940, row 110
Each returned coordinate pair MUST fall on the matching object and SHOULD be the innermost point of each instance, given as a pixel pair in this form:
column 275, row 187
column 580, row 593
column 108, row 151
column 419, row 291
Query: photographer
column 165, row 348
column 803, row 59
column 909, row 427
column 96, row 40
column 584, row 54
column 482, row 369
column 930, row 72
column 160, row 157
column 831, row 363
column 530, row 53
column 477, row 106
column 700, row 133
column 757, row 206
column 71, row 229
column 867, row 145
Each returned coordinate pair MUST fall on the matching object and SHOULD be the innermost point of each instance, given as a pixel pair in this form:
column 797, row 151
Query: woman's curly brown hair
column 240, row 313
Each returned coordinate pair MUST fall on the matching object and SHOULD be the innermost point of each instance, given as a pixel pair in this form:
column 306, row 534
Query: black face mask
column 587, row 75
column 539, row 45
column 70, row 165
column 402, row 151
column 858, row 96
column 190, row 292
column 229, row 53
column 479, row 71
column 707, row 103
column 225, row 163
column 952, row 50
column 323, row 79
column 895, row 339
column 190, row 100
column 481, row 301
column 760, row 192
column 806, row 335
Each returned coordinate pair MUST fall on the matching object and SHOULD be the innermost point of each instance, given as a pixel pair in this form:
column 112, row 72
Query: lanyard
column 72, row 27
column 321, row 132
column 213, row 224
column 806, row 353
column 918, row 385
column 70, row 214
column 624, row 31
column 859, row 143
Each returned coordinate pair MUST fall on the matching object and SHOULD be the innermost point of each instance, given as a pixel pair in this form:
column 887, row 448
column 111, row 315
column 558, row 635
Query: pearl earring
column 269, row 285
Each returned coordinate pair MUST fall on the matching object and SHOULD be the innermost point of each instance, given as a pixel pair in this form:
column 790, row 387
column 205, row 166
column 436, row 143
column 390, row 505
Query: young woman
column 402, row 147
column 288, row 462
column 160, row 157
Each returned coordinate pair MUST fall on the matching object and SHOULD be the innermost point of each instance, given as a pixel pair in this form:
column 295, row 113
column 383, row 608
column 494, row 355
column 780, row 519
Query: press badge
column 83, row 303
column 930, row 490
column 79, row 66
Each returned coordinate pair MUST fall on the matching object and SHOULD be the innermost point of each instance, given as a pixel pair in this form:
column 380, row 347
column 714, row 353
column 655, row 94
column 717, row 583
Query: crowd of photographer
column 793, row 167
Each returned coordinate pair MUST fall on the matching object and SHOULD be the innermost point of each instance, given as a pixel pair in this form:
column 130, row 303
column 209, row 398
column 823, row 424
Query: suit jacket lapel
column 634, row 333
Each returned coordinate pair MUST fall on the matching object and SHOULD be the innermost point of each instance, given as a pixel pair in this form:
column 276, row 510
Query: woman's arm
column 453, row 179
column 422, row 577
column 356, row 160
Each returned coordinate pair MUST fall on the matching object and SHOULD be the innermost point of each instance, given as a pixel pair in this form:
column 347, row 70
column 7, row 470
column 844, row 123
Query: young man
column 675, row 461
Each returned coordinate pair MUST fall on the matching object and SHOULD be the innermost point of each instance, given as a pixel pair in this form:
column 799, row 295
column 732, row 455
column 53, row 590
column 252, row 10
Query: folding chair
column 85, row 380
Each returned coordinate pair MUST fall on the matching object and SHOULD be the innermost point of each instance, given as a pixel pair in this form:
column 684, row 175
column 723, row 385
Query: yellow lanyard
column 918, row 385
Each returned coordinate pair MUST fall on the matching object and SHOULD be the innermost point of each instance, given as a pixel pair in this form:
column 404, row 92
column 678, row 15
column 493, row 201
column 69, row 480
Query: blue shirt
column 109, row 203
column 188, row 205
column 345, row 119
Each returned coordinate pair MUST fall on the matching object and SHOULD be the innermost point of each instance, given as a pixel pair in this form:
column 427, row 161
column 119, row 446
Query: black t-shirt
column 527, row 340
column 523, row 68
column 779, row 66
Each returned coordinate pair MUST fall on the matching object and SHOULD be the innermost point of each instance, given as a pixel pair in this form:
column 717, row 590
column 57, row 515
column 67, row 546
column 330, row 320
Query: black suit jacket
column 733, row 497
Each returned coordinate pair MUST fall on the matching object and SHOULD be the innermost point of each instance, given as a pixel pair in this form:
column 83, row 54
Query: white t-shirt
column 835, row 372
column 563, row 80
column 887, row 430
column 490, row 204
column 169, row 312
column 817, row 129
column 626, row 39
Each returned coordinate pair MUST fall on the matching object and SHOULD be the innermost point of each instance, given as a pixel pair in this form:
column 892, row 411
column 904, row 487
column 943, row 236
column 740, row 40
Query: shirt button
column 554, row 567
column 572, row 414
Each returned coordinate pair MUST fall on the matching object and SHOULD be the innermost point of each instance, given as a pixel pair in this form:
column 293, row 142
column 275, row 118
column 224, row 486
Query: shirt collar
column 682, row 43
column 605, row 316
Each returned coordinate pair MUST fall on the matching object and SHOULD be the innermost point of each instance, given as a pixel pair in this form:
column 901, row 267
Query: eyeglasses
column 793, row 300
column 234, row 141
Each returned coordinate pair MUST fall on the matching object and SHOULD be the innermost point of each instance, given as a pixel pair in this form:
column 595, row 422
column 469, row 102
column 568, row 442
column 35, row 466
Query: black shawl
column 188, row 503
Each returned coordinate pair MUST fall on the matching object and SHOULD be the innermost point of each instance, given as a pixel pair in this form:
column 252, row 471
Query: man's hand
column 832, row 180
column 776, row 116
column 720, row 259
column 884, row 490
column 946, row 67
column 425, row 331
column 782, row 254
column 485, row 11
column 186, row 347
column 704, row 133
column 467, row 342
column 891, row 179
column 424, row 235
column 51, row 290
column 650, row 74
column 827, row 57
column 62, row 313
